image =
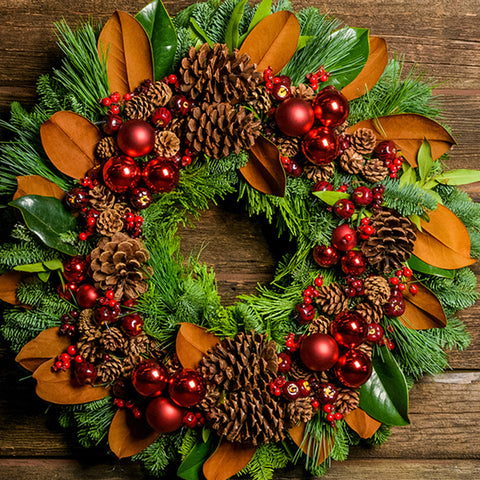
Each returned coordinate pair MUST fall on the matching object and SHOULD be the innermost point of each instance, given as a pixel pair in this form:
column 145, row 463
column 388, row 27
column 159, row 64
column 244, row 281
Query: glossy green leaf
column 44, row 276
column 55, row 264
column 408, row 175
column 303, row 40
column 31, row 268
column 330, row 198
column 48, row 219
column 385, row 394
column 232, row 36
column 191, row 467
column 159, row 27
column 462, row 176
column 200, row 32
column 263, row 10
column 420, row 266
column 424, row 160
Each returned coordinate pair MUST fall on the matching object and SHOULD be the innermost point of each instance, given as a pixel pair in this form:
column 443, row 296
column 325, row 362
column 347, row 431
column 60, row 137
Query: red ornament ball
column 136, row 138
column 353, row 368
column 86, row 296
column 320, row 145
column 325, row 255
column 132, row 324
column 349, row 329
column 121, row 174
column 306, row 313
column 187, row 388
column 319, row 352
column 344, row 238
column 161, row 175
column 74, row 269
column 354, row 263
column 330, row 107
column 294, row 117
column 150, row 378
column 164, row 416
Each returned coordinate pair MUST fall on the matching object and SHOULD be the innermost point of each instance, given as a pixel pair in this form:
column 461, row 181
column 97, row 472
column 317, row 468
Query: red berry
column 330, row 417
column 114, row 110
column 106, row 102
column 413, row 289
column 78, row 359
column 82, row 236
column 390, row 345
column 401, row 287
column 72, row 350
column 115, row 97
column 328, row 408
column 394, row 281
column 319, row 282
column 172, row 79
column 375, row 332
column 127, row 96
column 338, row 416
column 315, row 403
column 407, row 272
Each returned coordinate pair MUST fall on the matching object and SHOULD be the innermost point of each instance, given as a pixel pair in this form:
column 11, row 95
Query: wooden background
column 443, row 441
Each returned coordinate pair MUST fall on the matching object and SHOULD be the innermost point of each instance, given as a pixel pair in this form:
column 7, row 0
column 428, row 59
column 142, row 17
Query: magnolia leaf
column 371, row 72
column 37, row 185
column 362, row 423
column 264, row 170
column 128, row 436
column 227, row 460
column 191, row 467
column 61, row 388
column 8, row 286
column 424, row 160
column 263, row 10
column 47, row 345
column 70, row 140
column 461, row 176
column 385, row 394
column 193, row 342
column 408, row 131
column 126, row 47
column 273, row 41
column 303, row 442
column 331, row 198
column 54, row 264
column 159, row 27
column 231, row 33
column 48, row 219
column 420, row 266
column 444, row 241
column 409, row 175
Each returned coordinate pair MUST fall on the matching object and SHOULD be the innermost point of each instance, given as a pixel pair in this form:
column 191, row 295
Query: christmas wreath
column 311, row 126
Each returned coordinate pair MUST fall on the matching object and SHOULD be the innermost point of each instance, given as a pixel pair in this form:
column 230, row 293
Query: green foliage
column 189, row 441
column 342, row 443
column 380, row 436
column 268, row 457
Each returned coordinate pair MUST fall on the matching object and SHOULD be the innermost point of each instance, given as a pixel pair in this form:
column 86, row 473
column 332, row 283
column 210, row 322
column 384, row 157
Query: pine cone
column 118, row 263
column 101, row 198
column 374, row 171
column 177, row 126
column 363, row 141
column 259, row 99
column 341, row 129
column 320, row 324
column 377, row 290
column 219, row 129
column 298, row 371
column 299, row 411
column 87, row 327
column 109, row 370
column 332, row 299
column 347, row 400
column 319, row 173
column 288, row 146
column 351, row 161
column 159, row 94
column 303, row 91
column 366, row 349
column 112, row 339
column 88, row 350
column 138, row 345
column 216, row 76
column 392, row 243
column 167, row 144
column 109, row 222
column 106, row 148
column 143, row 105
column 370, row 313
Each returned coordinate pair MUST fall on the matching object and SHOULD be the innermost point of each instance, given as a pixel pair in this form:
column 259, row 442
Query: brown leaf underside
column 192, row 343
column 8, row 286
column 297, row 434
column 362, row 423
column 37, row 185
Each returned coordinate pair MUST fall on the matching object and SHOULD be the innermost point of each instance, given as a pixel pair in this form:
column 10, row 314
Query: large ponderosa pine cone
column 218, row 129
column 363, row 141
column 142, row 106
column 331, row 299
column 119, row 263
column 392, row 243
column 216, row 76
column 374, row 171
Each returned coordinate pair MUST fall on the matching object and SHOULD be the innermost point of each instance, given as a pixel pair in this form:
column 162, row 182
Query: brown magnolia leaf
column 37, row 185
column 125, row 45
column 47, row 345
column 8, row 286
column 444, row 241
column 128, row 436
column 423, row 310
column 69, row 140
column 227, row 460
column 273, row 41
column 193, row 342
column 62, row 389
column 264, row 170
column 297, row 434
column 362, row 423
column 408, row 130
column 371, row 72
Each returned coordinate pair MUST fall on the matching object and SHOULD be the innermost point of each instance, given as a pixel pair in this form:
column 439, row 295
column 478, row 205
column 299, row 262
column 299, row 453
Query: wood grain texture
column 443, row 441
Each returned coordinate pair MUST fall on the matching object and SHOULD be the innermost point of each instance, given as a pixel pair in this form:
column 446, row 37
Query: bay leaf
column 192, row 343
column 227, row 460
column 37, row 185
column 461, row 176
column 125, row 45
column 8, row 286
column 362, row 423
column 273, row 41
column 69, row 140
column 128, row 436
column 297, row 433
column 264, row 170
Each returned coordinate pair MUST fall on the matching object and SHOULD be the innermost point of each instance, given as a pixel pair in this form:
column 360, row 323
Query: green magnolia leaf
column 55, row 264
column 232, row 37
column 330, row 198
column 385, row 394
column 31, row 268
column 462, row 176
column 420, row 266
column 424, row 160
column 348, row 65
column 44, row 276
column 263, row 10
column 191, row 467
column 198, row 30
column 408, row 175
column 48, row 219
column 163, row 37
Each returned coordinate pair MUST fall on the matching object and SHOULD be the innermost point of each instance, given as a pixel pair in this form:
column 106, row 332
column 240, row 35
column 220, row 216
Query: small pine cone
column 128, row 365
column 139, row 108
column 138, row 345
column 341, row 129
column 369, row 312
column 377, row 290
column 88, row 350
column 298, row 371
column 167, row 144
column 260, row 100
column 177, row 126
column 299, row 411
column 159, row 94
column 366, row 349
column 332, row 299
column 351, row 161
column 101, row 198
column 303, row 91
column 173, row 365
column 113, row 339
column 87, row 327
column 109, row 222
column 107, row 148
column 109, row 370
column 363, row 141
column 347, row 400
column 374, row 171
column 320, row 324
column 288, row 146
column 319, row 173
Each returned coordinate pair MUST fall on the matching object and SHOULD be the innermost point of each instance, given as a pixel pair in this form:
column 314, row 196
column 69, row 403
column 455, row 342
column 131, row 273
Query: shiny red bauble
column 150, row 378
column 320, row 145
column 121, row 173
column 354, row 263
column 86, row 296
column 349, row 329
column 132, row 324
column 164, row 416
column 344, row 208
column 112, row 124
column 353, row 368
column 330, row 107
column 319, row 352
column 291, row 391
column 294, row 117
column 187, row 388
column 344, row 238
column 362, row 196
column 161, row 175
column 386, row 150
column 74, row 269
column 325, row 255
column 136, row 138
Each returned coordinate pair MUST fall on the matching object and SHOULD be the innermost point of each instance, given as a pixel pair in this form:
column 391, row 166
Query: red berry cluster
column 331, row 415
column 112, row 102
column 320, row 76
column 133, row 224
column 279, row 87
column 365, row 230
column 378, row 191
column 64, row 361
column 354, row 287
column 130, row 404
column 108, row 310
column 291, row 166
column 387, row 152
column 193, row 419
column 291, row 342
column 172, row 80
column 68, row 326
column 305, row 311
